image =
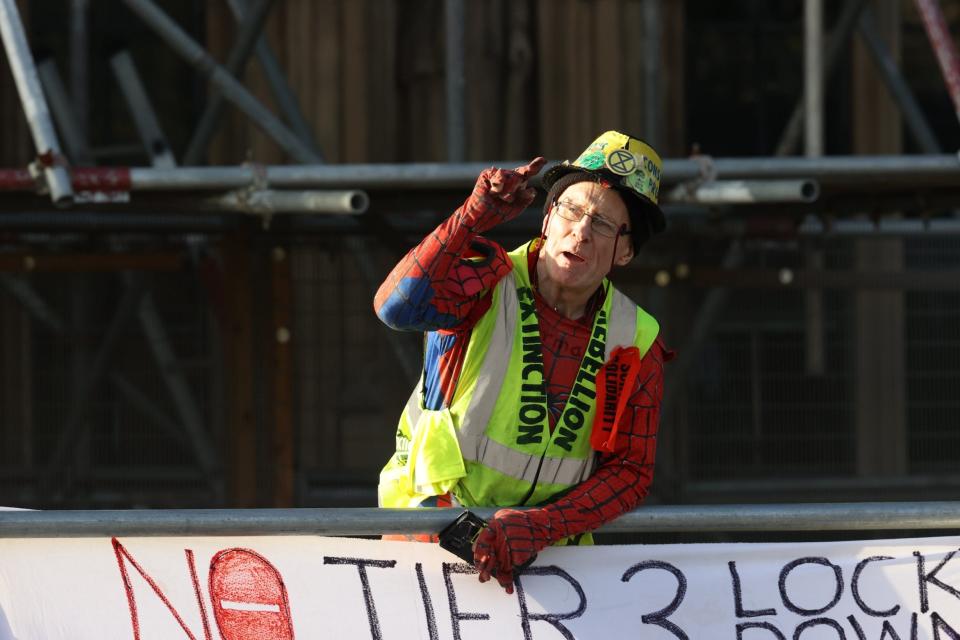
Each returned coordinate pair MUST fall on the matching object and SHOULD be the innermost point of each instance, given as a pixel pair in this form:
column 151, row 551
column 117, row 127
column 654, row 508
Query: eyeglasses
column 574, row 213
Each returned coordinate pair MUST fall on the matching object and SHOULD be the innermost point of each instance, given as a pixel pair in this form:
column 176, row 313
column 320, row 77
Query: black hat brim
column 653, row 216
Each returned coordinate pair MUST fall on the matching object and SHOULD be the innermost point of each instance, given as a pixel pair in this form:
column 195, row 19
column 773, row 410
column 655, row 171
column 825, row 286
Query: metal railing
column 860, row 516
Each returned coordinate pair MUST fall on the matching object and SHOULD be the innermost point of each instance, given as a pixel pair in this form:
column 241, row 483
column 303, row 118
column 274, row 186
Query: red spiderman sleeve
column 618, row 485
column 440, row 280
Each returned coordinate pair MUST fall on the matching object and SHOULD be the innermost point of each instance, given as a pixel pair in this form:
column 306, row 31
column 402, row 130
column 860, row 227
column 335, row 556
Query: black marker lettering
column 427, row 604
column 855, row 589
column 550, row 618
column 362, row 564
column 743, row 626
column 887, row 632
column 931, row 577
column 838, row 577
column 819, row 622
column 659, row 618
column 939, row 625
column 856, row 628
column 456, row 615
column 738, row 598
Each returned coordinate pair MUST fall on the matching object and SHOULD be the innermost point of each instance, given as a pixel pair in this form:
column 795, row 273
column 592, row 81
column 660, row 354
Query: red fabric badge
column 615, row 384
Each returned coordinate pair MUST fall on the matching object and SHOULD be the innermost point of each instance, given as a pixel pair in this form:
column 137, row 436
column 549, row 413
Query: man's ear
column 625, row 256
column 543, row 225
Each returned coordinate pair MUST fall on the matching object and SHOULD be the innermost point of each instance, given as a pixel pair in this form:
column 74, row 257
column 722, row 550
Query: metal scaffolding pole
column 73, row 429
column 154, row 142
column 231, row 89
column 63, row 113
column 652, row 68
column 21, row 290
column 916, row 123
column 943, row 46
column 943, row 168
column 34, row 105
column 80, row 63
column 838, row 37
column 455, row 81
column 746, row 192
column 847, row 171
column 813, row 111
column 159, row 343
column 266, row 201
column 851, row 516
column 813, row 78
column 286, row 100
column 250, row 29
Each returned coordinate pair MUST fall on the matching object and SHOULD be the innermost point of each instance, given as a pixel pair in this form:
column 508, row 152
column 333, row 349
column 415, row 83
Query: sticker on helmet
column 622, row 162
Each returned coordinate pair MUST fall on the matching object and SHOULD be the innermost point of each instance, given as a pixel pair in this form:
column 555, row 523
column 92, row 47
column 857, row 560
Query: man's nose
column 584, row 227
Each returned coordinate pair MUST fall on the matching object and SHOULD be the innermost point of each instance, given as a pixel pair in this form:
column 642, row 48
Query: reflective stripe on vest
column 626, row 325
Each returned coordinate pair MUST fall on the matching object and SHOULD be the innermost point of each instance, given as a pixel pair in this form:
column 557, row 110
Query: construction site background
column 148, row 360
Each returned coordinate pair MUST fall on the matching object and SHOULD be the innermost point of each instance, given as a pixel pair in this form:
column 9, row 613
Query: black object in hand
column 458, row 536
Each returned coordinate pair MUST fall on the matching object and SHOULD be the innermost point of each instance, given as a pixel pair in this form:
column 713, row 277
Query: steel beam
column 944, row 47
column 843, row 171
column 284, row 96
column 838, row 37
column 652, row 70
column 869, row 516
column 33, row 303
column 268, row 201
column 80, row 63
column 73, row 429
column 746, row 192
column 166, row 359
column 166, row 362
column 917, row 124
column 231, row 89
column 144, row 118
column 61, row 105
column 834, row 170
column 813, row 78
column 34, row 104
column 251, row 27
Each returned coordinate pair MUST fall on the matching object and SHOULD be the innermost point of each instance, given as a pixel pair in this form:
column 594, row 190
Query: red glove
column 511, row 540
column 500, row 195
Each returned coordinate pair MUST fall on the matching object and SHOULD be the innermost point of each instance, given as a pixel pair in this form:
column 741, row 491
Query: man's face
column 576, row 254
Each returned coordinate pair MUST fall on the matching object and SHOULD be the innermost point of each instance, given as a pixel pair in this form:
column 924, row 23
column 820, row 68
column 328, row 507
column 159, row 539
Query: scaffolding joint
column 247, row 197
column 706, row 173
column 47, row 159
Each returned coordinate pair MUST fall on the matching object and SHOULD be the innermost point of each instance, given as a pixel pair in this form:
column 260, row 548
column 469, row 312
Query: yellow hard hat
column 630, row 165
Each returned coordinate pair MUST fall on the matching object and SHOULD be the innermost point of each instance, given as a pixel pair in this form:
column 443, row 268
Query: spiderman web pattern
column 439, row 281
column 623, row 477
column 564, row 341
column 616, row 487
column 442, row 287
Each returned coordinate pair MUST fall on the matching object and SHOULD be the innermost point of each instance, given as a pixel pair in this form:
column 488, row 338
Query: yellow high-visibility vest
column 492, row 446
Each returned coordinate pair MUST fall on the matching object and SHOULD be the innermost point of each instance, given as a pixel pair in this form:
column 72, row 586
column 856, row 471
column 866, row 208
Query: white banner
column 310, row 587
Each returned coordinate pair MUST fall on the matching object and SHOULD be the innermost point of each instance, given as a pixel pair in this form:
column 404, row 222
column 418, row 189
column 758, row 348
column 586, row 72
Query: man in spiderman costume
column 542, row 382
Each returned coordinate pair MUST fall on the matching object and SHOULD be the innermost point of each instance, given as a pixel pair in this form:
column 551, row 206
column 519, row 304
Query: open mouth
column 572, row 257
